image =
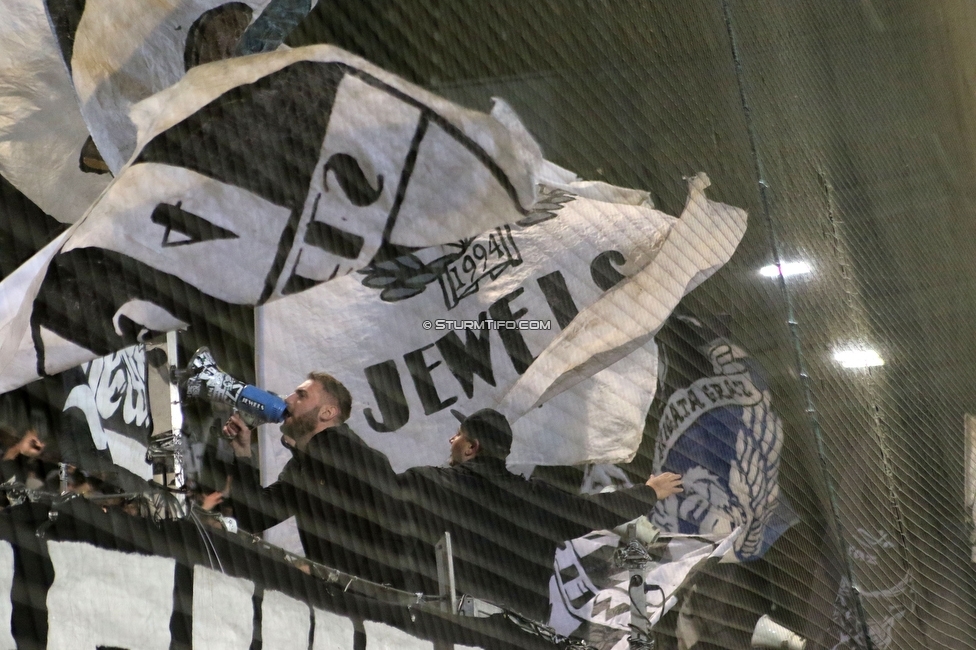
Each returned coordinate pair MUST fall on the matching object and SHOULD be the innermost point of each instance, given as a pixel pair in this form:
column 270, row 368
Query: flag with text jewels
column 254, row 178
column 492, row 320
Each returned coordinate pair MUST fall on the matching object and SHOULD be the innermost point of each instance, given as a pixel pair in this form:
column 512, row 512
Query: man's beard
column 301, row 425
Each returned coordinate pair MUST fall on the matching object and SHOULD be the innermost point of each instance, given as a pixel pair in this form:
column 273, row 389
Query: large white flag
column 630, row 313
column 42, row 133
column 455, row 327
column 120, row 52
column 258, row 177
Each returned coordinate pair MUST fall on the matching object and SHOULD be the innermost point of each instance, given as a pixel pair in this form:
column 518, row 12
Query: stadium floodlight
column 786, row 269
column 858, row 358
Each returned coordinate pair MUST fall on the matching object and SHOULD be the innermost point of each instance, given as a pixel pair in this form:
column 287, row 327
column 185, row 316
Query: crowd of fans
column 354, row 514
column 31, row 466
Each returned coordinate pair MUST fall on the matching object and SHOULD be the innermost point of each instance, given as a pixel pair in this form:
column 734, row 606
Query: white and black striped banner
column 259, row 177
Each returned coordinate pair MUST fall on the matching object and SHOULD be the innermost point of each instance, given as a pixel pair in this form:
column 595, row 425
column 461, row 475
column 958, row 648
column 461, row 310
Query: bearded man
column 340, row 490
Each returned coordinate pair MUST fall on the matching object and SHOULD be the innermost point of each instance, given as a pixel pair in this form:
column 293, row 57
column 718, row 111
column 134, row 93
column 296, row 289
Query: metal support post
column 445, row 583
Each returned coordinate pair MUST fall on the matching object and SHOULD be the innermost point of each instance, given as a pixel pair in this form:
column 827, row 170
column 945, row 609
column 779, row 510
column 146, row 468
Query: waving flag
column 454, row 327
column 259, row 177
column 115, row 67
column 44, row 143
column 717, row 428
column 630, row 313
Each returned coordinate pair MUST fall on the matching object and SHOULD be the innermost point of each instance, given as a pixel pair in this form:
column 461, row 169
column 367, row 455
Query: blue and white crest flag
column 255, row 178
column 719, row 431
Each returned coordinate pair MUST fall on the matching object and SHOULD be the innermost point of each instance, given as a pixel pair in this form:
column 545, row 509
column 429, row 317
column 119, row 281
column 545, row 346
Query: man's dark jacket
column 504, row 528
column 341, row 492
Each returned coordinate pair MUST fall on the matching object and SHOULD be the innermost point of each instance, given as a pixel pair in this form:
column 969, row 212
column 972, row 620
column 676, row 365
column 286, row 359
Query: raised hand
column 665, row 484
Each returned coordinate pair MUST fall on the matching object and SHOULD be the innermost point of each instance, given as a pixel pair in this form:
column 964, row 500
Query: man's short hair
column 335, row 388
column 491, row 431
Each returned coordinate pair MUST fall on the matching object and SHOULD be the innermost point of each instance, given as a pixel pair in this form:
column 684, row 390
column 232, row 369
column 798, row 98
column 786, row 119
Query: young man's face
column 462, row 449
column 304, row 406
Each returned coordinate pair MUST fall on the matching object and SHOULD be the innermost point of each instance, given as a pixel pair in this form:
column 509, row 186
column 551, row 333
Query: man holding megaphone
column 340, row 490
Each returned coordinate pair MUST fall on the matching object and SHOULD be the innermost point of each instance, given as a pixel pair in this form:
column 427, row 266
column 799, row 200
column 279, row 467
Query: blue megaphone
column 202, row 379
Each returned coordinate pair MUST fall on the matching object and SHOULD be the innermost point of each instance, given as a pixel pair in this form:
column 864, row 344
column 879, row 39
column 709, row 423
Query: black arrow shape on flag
column 195, row 228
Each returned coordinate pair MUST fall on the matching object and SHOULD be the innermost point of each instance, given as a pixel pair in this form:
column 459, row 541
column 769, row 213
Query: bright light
column 858, row 358
column 786, row 269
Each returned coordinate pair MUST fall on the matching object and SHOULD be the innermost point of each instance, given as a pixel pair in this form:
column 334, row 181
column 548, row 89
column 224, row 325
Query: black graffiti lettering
column 558, row 297
column 328, row 238
column 194, row 228
column 469, row 358
column 602, row 269
column 515, row 346
column 420, row 372
column 384, row 380
column 352, row 180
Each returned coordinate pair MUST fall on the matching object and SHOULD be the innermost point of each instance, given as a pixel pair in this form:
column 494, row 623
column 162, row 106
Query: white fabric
column 6, row 584
column 285, row 622
column 129, row 454
column 332, row 632
column 107, row 598
column 607, row 606
column 384, row 637
column 700, row 243
column 223, row 613
column 114, row 68
column 41, row 127
column 464, row 162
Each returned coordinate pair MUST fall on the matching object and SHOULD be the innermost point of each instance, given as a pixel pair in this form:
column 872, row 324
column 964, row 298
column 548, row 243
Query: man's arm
column 578, row 515
column 255, row 508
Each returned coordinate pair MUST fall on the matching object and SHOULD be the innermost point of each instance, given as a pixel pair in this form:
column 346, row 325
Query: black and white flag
column 462, row 326
column 108, row 413
column 255, row 178
column 591, row 595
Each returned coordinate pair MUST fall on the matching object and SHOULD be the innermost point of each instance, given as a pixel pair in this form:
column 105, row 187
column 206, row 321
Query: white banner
column 42, row 133
column 259, row 177
column 418, row 336
column 120, row 52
